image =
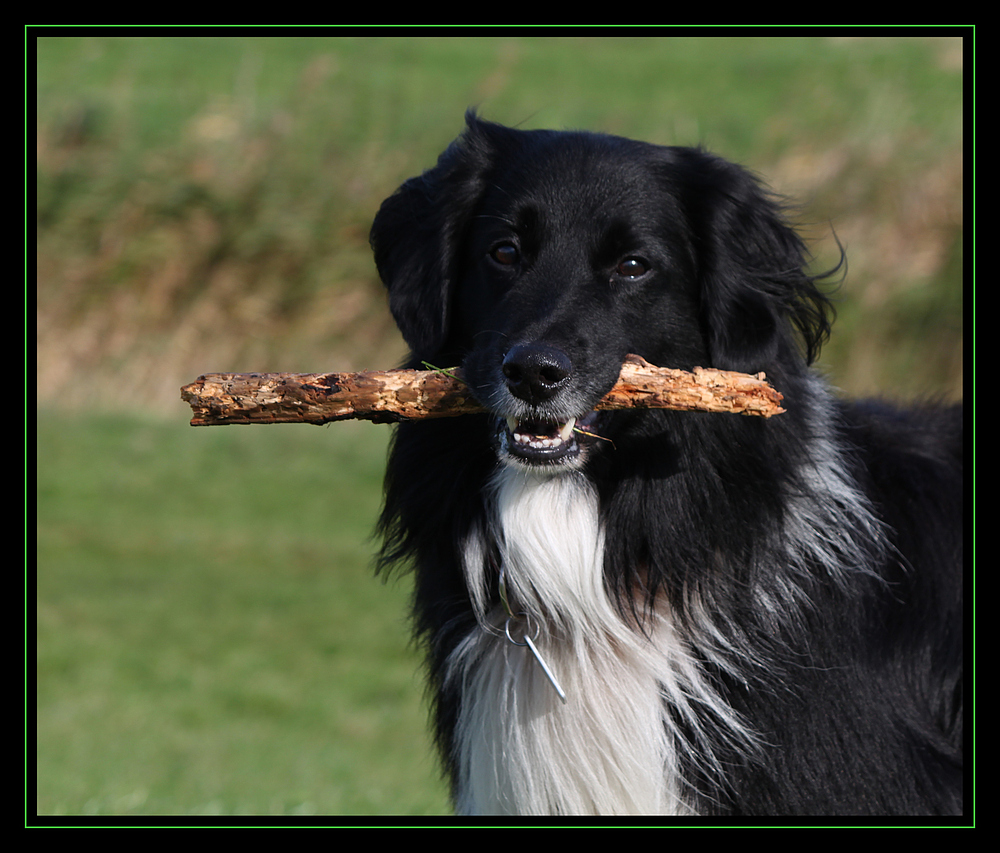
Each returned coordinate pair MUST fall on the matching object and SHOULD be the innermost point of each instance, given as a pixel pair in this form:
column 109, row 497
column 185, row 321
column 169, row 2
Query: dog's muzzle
column 535, row 441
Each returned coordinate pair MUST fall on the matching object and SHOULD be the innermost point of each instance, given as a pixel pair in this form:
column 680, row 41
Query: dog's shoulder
column 910, row 463
column 926, row 434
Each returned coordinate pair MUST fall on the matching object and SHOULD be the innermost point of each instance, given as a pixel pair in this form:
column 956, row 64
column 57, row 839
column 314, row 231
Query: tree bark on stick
column 397, row 395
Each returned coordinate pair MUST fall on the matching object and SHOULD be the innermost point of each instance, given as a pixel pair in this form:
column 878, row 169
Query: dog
column 650, row 611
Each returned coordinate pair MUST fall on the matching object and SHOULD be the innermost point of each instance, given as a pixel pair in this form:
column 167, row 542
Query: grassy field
column 204, row 203
column 210, row 639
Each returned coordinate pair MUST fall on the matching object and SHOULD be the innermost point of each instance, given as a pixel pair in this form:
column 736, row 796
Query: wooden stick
column 397, row 395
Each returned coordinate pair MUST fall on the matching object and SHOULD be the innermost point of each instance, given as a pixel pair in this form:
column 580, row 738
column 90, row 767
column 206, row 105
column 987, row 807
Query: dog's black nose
column 535, row 372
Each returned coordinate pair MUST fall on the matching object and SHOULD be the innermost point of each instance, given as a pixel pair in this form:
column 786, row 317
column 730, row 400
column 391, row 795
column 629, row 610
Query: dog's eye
column 632, row 268
column 505, row 254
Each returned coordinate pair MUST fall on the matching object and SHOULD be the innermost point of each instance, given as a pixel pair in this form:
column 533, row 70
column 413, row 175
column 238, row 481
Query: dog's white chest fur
column 611, row 748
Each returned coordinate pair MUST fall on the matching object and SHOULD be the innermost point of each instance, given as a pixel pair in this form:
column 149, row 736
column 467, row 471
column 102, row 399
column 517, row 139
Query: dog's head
column 539, row 259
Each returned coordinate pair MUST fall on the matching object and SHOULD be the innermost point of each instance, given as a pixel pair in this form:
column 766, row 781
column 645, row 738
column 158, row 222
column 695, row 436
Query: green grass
column 210, row 637
column 204, row 203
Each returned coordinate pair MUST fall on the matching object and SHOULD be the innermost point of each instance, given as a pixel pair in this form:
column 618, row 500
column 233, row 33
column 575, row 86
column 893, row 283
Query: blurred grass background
column 210, row 639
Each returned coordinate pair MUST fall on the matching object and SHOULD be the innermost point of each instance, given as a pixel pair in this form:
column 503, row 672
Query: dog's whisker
column 593, row 435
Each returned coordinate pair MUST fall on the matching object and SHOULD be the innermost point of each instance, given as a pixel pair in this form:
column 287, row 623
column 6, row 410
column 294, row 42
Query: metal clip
column 534, row 650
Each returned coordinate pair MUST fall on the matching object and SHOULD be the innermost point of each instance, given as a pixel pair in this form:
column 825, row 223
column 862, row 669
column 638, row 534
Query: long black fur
column 808, row 567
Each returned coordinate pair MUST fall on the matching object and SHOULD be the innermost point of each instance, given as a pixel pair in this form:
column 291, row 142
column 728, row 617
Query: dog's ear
column 417, row 235
column 743, row 330
column 755, row 292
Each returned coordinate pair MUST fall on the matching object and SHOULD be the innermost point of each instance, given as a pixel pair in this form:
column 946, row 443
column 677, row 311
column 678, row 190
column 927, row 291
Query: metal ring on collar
column 527, row 621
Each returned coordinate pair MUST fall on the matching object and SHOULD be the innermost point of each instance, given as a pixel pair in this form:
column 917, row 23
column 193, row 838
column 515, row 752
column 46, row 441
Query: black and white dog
column 745, row 616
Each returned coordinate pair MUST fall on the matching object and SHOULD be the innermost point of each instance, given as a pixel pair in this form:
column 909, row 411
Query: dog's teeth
column 563, row 433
